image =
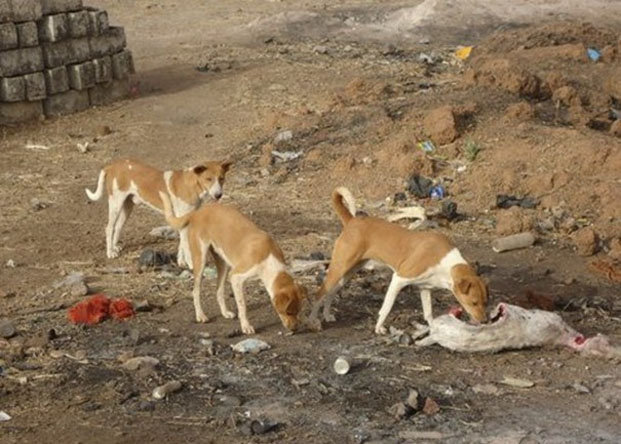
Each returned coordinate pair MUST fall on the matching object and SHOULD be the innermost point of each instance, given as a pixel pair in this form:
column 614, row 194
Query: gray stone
column 66, row 52
column 6, row 329
column 66, row 103
column 12, row 89
column 81, row 75
column 56, row 80
column 122, row 64
column 103, row 69
column 21, row 61
column 8, row 36
column 27, row 34
column 35, row 86
column 79, row 23
column 111, row 42
column 25, row 10
column 20, row 112
column 5, row 11
column 53, row 28
column 56, row 6
column 106, row 93
column 98, row 22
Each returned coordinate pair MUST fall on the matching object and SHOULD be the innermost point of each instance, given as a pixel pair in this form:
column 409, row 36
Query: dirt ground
column 533, row 116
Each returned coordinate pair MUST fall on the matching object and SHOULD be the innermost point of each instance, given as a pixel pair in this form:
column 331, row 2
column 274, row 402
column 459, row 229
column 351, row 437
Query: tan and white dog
column 240, row 248
column 426, row 259
column 130, row 182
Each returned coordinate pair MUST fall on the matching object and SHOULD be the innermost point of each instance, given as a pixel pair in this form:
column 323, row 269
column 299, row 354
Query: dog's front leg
column 425, row 298
column 396, row 284
column 237, row 282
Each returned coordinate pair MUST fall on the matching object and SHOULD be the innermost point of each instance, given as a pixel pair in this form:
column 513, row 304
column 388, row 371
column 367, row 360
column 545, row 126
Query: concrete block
column 56, row 80
column 53, row 28
column 21, row 61
column 109, row 43
column 5, row 11
column 12, row 89
column 103, row 69
column 66, row 103
column 81, row 75
column 106, row 93
column 122, row 64
column 56, row 6
column 25, row 10
column 66, row 52
column 27, row 34
column 79, row 23
column 98, row 22
column 20, row 112
column 8, row 36
column 35, row 86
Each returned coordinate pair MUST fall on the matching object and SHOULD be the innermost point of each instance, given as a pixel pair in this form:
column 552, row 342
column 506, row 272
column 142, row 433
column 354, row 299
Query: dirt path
column 347, row 79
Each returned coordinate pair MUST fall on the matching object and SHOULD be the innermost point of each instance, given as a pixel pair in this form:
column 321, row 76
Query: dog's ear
column 284, row 303
column 463, row 285
column 199, row 169
column 226, row 165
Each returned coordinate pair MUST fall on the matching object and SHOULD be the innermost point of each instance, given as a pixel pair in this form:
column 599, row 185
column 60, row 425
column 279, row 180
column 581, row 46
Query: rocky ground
column 352, row 91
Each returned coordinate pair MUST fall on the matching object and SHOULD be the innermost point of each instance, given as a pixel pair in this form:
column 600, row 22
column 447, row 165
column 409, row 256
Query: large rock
column 585, row 241
column 513, row 220
column 440, row 125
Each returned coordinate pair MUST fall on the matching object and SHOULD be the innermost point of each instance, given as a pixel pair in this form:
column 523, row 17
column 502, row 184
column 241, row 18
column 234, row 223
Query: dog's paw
column 314, row 324
column 228, row 314
column 329, row 317
column 113, row 254
column 201, row 318
column 247, row 329
column 380, row 330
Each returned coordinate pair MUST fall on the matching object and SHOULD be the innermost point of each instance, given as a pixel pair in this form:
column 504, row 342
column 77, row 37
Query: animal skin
column 512, row 327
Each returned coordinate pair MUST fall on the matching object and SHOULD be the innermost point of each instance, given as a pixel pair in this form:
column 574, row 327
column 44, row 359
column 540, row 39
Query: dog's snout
column 217, row 196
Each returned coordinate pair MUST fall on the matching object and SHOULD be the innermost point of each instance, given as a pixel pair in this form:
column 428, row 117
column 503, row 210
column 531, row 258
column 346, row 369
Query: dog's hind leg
column 126, row 210
column 223, row 272
column 198, row 252
column 115, row 206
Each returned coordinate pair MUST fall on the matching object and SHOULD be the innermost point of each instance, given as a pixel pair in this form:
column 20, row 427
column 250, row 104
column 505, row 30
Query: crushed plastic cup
column 463, row 53
column 594, row 54
column 427, row 146
column 437, row 193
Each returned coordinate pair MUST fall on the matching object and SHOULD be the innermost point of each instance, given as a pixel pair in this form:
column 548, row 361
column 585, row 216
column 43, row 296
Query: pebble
column 580, row 388
column 250, row 345
column 164, row 390
column 7, row 330
column 152, row 258
column 486, row 389
column 413, row 399
column 400, row 410
column 164, row 232
column 515, row 382
column 75, row 283
column 11, row 263
column 283, row 136
column 431, row 407
column 143, row 306
column 140, row 362
column 320, row 49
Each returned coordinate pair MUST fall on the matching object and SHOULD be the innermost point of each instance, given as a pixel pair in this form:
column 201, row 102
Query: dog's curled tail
column 178, row 223
column 344, row 204
column 100, row 187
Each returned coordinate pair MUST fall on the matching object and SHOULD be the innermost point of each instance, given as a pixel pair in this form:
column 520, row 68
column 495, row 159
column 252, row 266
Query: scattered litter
column 419, row 186
column 506, row 201
column 610, row 268
column 594, row 54
column 341, row 366
column 320, row 49
column 427, row 146
column 152, row 258
column 83, row 147
column 512, row 327
column 513, row 242
column 210, row 272
column 34, row 146
column 413, row 399
column 38, row 205
column 463, row 53
column 75, row 283
column 140, row 362
column 10, row 263
column 429, row 59
column 98, row 308
column 143, row 306
column 486, row 389
column 7, row 330
column 437, row 193
column 250, row 345
column 261, row 426
column 283, row 136
column 449, row 210
column 164, row 232
column 413, row 212
column 515, row 382
column 286, row 155
column 164, row 390
column 431, row 407
column 4, row 416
